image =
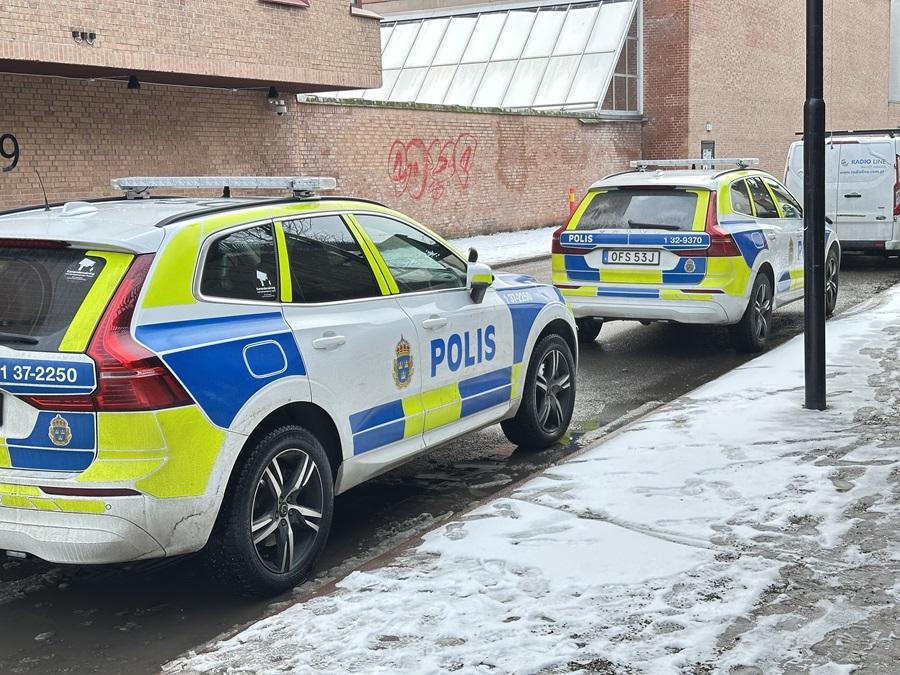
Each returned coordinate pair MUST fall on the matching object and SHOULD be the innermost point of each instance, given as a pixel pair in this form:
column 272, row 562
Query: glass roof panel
column 610, row 27
column 426, row 43
column 576, row 30
column 462, row 89
column 408, row 84
column 557, row 81
column 484, row 38
column 398, row 46
column 493, row 85
column 546, row 29
column 436, row 84
column 388, row 78
column 515, row 33
column 524, row 83
column 591, row 78
column 386, row 31
column 455, row 40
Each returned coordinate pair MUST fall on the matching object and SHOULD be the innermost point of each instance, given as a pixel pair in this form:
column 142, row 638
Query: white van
column 862, row 187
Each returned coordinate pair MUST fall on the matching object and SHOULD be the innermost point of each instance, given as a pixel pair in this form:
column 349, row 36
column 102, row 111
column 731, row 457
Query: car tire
column 751, row 333
column 276, row 516
column 588, row 330
column 832, row 280
column 548, row 396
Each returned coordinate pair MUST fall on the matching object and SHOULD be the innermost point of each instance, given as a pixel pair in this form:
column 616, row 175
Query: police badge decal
column 60, row 433
column 403, row 364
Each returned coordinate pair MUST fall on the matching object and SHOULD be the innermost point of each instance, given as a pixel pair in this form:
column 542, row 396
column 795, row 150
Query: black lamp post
column 814, row 209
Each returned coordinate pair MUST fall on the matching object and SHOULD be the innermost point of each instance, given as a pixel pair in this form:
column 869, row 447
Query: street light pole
column 814, row 209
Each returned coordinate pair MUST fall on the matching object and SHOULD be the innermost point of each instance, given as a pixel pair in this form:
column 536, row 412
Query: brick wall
column 666, row 78
column 460, row 172
column 747, row 74
column 255, row 40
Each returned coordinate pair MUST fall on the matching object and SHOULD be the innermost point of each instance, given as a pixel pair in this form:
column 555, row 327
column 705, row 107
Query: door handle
column 852, row 195
column 329, row 341
column 434, row 322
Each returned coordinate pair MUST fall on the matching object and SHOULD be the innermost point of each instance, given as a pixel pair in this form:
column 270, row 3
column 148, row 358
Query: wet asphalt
column 134, row 618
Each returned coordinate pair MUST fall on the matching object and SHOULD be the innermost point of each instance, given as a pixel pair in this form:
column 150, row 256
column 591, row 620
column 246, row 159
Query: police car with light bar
column 688, row 242
column 181, row 373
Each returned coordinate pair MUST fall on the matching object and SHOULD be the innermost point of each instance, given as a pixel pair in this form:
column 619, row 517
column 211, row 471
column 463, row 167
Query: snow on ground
column 508, row 246
column 729, row 531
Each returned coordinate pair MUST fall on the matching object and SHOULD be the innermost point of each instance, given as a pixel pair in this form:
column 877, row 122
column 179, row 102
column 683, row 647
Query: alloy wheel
column 831, row 281
column 554, row 388
column 287, row 510
column 762, row 310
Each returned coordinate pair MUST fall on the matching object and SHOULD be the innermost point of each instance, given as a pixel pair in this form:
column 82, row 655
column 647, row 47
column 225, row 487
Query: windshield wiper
column 22, row 339
column 653, row 226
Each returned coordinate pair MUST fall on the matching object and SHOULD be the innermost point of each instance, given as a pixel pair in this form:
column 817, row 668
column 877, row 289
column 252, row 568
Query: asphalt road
column 135, row 618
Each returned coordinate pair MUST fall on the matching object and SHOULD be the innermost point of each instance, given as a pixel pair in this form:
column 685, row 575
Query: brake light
column 129, row 377
column 556, row 247
column 721, row 243
column 32, row 243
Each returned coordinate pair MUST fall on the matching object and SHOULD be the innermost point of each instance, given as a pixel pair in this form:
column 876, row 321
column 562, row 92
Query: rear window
column 635, row 208
column 41, row 290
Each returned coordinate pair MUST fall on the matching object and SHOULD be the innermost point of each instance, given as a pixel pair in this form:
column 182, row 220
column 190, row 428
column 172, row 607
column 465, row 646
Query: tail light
column 129, row 377
column 556, row 247
column 721, row 243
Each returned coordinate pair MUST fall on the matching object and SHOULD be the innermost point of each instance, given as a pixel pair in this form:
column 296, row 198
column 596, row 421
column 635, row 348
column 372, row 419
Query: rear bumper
column 76, row 538
column 722, row 310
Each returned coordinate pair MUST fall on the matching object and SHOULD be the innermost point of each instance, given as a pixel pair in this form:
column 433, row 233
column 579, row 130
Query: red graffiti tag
column 415, row 168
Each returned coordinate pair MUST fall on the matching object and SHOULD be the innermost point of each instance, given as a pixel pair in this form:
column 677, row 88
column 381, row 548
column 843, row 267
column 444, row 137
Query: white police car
column 181, row 371
column 689, row 245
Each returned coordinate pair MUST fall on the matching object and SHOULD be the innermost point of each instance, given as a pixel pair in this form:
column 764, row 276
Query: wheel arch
column 562, row 328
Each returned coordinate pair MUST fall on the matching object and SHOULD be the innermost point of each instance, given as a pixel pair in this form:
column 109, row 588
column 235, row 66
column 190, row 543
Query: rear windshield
column 626, row 208
column 40, row 292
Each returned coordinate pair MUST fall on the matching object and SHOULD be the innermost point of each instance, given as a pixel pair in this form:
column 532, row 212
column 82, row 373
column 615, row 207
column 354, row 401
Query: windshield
column 635, row 208
column 40, row 292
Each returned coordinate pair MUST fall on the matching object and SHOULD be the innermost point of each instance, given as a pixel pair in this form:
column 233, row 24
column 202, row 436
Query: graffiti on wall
column 418, row 168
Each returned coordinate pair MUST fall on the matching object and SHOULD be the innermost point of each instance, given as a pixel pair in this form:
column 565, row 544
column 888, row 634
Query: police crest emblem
column 60, row 433
column 690, row 266
column 403, row 364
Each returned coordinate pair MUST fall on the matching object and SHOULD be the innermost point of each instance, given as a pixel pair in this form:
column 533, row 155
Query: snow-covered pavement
column 505, row 247
column 729, row 531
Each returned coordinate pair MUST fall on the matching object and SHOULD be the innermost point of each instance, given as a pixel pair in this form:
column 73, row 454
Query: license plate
column 630, row 257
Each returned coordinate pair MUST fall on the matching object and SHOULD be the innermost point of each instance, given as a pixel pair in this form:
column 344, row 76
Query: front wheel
column 751, row 333
column 548, row 397
column 832, row 278
column 276, row 515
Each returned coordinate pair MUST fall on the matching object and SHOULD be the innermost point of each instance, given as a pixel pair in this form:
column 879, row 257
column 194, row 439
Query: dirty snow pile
column 504, row 247
column 728, row 529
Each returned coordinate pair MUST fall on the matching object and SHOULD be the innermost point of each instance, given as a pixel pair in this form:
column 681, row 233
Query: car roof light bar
column 300, row 186
column 742, row 162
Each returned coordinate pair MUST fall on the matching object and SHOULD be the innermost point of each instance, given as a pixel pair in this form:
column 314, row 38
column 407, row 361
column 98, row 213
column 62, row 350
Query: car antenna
column 41, row 181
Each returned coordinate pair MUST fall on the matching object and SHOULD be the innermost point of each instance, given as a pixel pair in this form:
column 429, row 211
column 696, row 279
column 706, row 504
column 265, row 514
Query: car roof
column 705, row 179
column 133, row 225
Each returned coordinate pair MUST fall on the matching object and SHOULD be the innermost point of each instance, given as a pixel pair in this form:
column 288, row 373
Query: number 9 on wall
column 9, row 151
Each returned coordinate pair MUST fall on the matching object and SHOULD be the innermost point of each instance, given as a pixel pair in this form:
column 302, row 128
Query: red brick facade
column 460, row 172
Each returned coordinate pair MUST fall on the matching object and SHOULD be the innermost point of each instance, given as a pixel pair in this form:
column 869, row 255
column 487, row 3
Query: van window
column 765, row 205
column 326, row 262
column 740, row 198
column 624, row 208
column 242, row 266
column 41, row 290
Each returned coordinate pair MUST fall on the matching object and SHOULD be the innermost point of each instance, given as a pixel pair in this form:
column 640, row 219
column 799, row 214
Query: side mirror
column 479, row 277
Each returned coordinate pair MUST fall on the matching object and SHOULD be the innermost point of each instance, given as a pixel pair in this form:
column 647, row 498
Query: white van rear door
column 865, row 190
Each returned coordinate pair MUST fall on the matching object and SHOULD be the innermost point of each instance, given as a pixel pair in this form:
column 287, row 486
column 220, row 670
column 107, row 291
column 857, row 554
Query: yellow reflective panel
column 442, row 406
column 284, row 268
column 5, row 461
column 172, row 277
column 88, row 316
column 415, row 416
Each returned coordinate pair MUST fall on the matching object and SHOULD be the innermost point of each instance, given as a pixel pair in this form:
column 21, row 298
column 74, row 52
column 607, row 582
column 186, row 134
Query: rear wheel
column 751, row 333
column 276, row 516
column 548, row 397
column 588, row 329
column 832, row 278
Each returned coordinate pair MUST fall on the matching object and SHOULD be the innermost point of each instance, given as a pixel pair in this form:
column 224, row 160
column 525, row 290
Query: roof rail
column 743, row 163
column 136, row 187
column 856, row 132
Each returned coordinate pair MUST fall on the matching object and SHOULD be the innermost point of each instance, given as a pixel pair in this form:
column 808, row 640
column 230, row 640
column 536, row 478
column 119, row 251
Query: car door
column 359, row 347
column 865, row 190
column 466, row 347
column 769, row 219
column 792, row 227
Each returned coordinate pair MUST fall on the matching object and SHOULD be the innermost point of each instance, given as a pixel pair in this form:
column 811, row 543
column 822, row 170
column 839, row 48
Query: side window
column 789, row 206
column 242, row 266
column 326, row 262
column 740, row 198
column 765, row 206
column 416, row 261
